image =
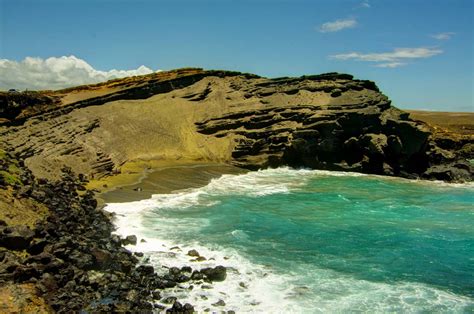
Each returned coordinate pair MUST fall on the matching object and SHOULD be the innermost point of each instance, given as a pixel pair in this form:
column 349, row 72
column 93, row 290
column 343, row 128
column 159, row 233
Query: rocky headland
column 56, row 245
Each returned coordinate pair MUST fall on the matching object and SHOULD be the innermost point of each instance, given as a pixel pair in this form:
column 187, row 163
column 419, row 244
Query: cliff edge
column 329, row 121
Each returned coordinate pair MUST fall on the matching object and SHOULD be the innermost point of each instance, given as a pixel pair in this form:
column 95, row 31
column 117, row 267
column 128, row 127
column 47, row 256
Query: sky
column 419, row 52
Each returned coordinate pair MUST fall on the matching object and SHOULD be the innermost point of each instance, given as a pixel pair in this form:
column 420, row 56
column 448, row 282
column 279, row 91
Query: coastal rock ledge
column 329, row 121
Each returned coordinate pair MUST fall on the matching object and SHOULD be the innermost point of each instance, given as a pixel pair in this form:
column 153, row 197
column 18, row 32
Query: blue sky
column 419, row 52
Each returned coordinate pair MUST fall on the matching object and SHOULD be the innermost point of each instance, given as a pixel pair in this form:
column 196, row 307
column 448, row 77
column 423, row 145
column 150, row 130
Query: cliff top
column 18, row 106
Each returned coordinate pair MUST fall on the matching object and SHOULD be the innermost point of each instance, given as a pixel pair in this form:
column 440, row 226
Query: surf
column 294, row 240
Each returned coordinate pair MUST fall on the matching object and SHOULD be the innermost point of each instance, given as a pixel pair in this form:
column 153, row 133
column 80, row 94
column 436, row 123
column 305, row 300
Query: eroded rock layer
column 329, row 121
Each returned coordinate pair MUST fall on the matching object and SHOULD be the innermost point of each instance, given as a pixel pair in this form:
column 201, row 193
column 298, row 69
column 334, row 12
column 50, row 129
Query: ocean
column 309, row 241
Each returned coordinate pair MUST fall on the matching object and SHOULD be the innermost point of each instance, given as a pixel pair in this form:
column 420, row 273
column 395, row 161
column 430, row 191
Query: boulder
column 17, row 238
column 193, row 253
column 448, row 172
column 218, row 273
column 219, row 303
column 130, row 240
column 103, row 258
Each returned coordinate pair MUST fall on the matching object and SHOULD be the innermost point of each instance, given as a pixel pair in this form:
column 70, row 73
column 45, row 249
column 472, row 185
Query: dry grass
column 455, row 122
column 22, row 298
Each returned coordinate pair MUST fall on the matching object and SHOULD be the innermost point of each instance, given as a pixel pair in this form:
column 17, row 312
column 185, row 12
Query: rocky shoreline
column 73, row 259
column 57, row 245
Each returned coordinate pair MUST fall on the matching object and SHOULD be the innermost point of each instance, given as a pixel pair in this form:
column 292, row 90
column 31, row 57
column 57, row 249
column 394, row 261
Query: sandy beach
column 166, row 179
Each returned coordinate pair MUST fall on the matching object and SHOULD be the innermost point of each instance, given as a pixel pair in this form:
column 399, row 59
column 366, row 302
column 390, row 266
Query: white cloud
column 443, row 36
column 391, row 59
column 56, row 73
column 337, row 25
column 390, row 65
column 365, row 4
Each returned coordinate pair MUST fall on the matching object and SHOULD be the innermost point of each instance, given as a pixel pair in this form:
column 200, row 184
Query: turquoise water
column 325, row 241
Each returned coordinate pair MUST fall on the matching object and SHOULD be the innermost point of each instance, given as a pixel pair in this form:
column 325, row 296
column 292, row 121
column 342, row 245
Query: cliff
column 56, row 246
column 328, row 121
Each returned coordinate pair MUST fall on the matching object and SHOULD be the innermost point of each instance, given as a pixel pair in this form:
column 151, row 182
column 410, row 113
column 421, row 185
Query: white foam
column 253, row 184
column 304, row 288
column 254, row 288
column 248, row 287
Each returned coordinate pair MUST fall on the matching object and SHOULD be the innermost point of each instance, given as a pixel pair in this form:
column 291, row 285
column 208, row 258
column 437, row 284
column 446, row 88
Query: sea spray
column 300, row 240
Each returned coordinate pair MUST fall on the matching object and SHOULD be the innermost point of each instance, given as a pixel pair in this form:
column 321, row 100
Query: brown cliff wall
column 328, row 121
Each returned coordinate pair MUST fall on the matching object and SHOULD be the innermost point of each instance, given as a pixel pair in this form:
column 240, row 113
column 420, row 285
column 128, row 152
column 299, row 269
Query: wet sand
column 166, row 180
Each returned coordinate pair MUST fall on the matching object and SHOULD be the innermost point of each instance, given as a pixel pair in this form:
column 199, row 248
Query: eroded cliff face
column 328, row 121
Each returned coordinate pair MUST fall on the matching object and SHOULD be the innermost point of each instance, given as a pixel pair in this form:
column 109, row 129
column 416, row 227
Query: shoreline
column 194, row 268
column 165, row 254
column 158, row 177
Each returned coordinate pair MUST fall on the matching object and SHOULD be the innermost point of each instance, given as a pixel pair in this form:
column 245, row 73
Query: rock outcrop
column 329, row 121
column 70, row 261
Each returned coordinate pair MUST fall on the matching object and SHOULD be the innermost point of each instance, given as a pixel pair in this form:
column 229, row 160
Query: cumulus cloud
column 390, row 59
column 443, row 36
column 55, row 73
column 337, row 25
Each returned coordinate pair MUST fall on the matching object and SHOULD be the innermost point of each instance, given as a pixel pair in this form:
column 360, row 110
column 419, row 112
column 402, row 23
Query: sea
column 309, row 241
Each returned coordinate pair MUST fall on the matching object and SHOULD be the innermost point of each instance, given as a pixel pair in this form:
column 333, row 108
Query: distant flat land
column 461, row 123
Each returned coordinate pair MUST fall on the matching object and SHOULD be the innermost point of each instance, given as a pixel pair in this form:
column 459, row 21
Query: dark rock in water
column 131, row 239
column 451, row 172
column 163, row 284
column 179, row 308
column 169, row 300
column 193, row 253
column 196, row 275
column 243, row 285
column 206, row 287
column 218, row 273
column 182, row 278
column 186, row 269
column 176, row 308
column 174, row 271
column 199, row 259
column 219, row 303
column 188, row 308
column 156, row 295
column 145, row 269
